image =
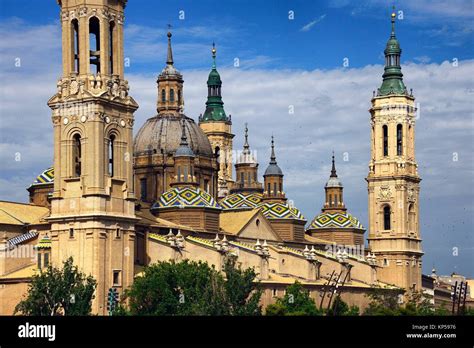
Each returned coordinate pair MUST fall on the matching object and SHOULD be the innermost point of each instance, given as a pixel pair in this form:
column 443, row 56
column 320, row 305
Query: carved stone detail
column 385, row 193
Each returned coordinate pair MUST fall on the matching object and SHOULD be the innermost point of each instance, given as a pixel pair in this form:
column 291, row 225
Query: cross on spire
column 273, row 157
column 333, row 170
column 169, row 59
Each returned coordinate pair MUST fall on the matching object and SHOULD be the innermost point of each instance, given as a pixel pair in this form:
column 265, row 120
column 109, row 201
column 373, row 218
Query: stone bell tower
column 393, row 180
column 92, row 207
column 218, row 128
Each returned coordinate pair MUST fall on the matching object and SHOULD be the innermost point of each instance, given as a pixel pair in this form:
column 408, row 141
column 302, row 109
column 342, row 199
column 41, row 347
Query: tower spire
column 273, row 157
column 333, row 170
column 246, row 143
column 213, row 56
column 169, row 59
column 214, row 105
column 392, row 76
column 393, row 16
column 184, row 138
column 184, row 149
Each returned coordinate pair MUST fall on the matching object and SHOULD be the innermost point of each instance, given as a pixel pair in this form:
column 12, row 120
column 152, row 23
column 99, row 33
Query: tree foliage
column 55, row 291
column 193, row 288
column 340, row 308
column 295, row 302
column 385, row 302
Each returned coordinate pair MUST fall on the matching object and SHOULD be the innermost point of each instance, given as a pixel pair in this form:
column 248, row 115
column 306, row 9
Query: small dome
column 281, row 211
column 334, row 182
column 214, row 78
column 184, row 151
column 185, row 197
column 242, row 201
column 164, row 133
column 44, row 243
column 335, row 220
column 273, row 169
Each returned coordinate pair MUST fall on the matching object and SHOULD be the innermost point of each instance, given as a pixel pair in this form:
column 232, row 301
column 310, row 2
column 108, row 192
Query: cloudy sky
column 321, row 59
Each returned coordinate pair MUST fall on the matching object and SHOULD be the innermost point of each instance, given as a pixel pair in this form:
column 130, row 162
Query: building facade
column 116, row 204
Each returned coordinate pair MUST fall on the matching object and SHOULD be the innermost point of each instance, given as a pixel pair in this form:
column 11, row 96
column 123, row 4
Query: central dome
column 164, row 133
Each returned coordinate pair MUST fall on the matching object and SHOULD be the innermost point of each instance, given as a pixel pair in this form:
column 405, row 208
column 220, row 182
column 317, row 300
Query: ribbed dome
column 164, row 132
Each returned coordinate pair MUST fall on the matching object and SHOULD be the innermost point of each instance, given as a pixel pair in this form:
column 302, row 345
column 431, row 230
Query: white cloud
column 311, row 24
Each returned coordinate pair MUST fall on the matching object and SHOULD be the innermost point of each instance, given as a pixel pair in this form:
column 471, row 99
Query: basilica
column 116, row 202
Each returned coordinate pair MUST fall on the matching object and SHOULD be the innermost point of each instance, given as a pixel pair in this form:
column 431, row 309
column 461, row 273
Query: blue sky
column 283, row 62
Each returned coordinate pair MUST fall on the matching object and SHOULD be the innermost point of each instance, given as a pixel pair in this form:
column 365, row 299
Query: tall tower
column 393, row 181
column 246, row 171
column 334, row 189
column 170, row 87
column 273, row 180
column 218, row 128
column 92, row 206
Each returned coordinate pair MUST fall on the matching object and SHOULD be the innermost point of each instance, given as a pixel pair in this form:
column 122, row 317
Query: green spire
column 392, row 76
column 214, row 105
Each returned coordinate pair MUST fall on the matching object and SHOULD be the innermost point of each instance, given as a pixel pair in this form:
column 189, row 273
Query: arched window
column 172, row 95
column 163, row 95
column 411, row 218
column 75, row 29
column 77, row 155
column 111, row 155
column 269, row 189
column 143, row 189
column 281, row 187
column 399, row 140
column 274, row 188
column 94, row 44
column 179, row 97
column 255, row 176
column 217, row 154
column 111, row 46
column 386, row 218
column 179, row 173
column 242, row 178
column 185, row 169
column 385, row 140
column 330, row 200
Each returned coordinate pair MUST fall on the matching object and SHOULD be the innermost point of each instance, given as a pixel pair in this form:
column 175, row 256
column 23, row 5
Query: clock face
column 107, row 119
column 65, row 120
column 83, row 119
column 122, row 123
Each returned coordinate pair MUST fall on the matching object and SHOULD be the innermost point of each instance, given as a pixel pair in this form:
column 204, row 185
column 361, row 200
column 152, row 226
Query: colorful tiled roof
column 44, row 243
column 22, row 238
column 281, row 211
column 242, row 245
column 335, row 220
column 203, row 241
column 157, row 237
column 185, row 197
column 241, row 200
column 46, row 177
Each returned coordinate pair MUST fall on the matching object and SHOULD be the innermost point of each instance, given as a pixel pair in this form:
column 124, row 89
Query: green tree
column 340, row 308
column 383, row 302
column 295, row 302
column 56, row 291
column 242, row 292
column 193, row 288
